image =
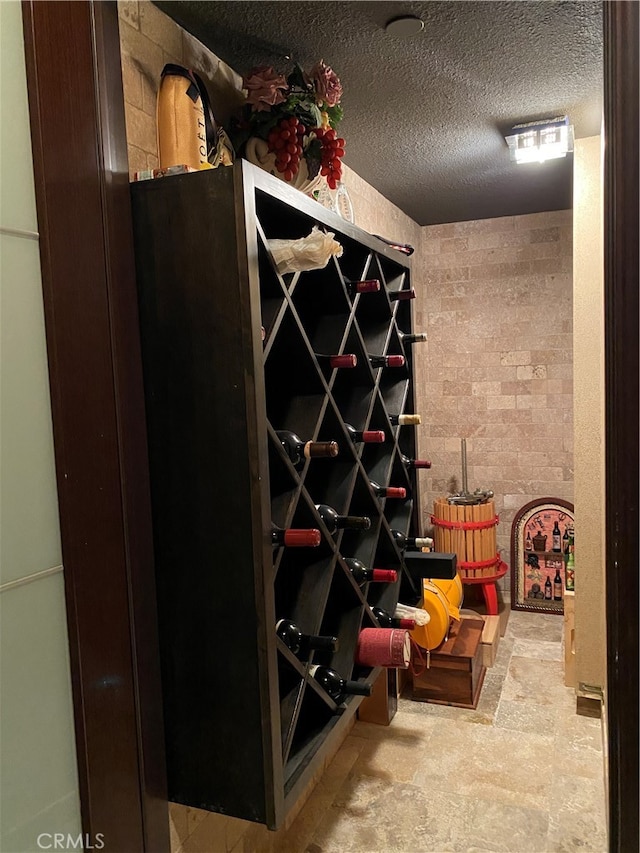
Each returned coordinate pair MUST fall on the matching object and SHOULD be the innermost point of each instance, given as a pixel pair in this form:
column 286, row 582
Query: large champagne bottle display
column 279, row 479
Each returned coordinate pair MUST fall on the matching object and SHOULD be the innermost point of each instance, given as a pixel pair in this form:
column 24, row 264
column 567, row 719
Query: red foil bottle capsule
column 348, row 360
column 384, row 575
column 295, row 538
column 415, row 463
column 370, row 285
column 402, row 295
column 369, row 436
column 396, row 492
column 373, row 436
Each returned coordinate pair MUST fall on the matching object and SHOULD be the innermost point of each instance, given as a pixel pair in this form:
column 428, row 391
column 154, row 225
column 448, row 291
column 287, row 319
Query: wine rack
column 246, row 726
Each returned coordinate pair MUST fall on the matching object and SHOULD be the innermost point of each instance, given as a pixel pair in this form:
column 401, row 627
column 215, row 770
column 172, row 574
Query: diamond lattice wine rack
column 247, row 727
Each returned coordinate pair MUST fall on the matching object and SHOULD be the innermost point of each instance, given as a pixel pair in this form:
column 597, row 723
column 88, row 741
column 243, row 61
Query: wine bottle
column 548, row 589
column 336, row 686
column 347, row 360
column 418, row 614
column 418, row 338
column 388, row 491
column 570, row 570
column 367, row 436
column 370, row 285
column 386, row 361
column 411, row 543
column 362, row 574
column 565, row 541
column 303, row 644
column 556, row 538
column 405, row 248
column 295, row 537
column 386, row 620
column 414, row 463
column 334, row 522
column 298, row 450
column 405, row 420
column 402, row 295
column 557, row 586
column 528, row 544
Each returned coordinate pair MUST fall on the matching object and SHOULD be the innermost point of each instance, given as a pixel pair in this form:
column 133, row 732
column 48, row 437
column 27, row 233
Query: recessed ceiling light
column 404, row 26
column 537, row 141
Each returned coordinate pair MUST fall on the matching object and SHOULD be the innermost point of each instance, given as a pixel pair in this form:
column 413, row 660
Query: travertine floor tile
column 488, row 763
column 537, row 681
column 545, row 627
column 527, row 717
column 503, row 828
column 540, row 650
column 527, row 778
column 372, row 815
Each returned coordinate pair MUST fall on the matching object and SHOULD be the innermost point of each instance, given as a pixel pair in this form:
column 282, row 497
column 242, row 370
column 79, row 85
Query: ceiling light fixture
column 537, row 141
column 404, row 26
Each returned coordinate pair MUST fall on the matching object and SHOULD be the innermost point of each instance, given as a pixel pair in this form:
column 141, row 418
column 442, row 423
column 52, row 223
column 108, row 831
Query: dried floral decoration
column 297, row 116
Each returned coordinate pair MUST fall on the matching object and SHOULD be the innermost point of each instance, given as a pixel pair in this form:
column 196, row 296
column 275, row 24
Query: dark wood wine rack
column 246, row 728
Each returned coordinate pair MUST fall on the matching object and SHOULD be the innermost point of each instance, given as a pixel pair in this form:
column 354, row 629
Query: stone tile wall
column 496, row 302
column 148, row 40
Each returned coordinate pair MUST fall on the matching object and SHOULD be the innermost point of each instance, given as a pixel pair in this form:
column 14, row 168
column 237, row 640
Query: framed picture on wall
column 542, row 539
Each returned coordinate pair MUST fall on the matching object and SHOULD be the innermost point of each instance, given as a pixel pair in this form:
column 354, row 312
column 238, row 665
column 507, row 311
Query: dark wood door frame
column 88, row 277
column 621, row 37
column 80, row 162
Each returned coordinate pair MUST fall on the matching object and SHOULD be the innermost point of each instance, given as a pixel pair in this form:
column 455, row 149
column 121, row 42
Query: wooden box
column 490, row 639
column 456, row 671
column 381, row 706
column 490, row 636
column 474, row 600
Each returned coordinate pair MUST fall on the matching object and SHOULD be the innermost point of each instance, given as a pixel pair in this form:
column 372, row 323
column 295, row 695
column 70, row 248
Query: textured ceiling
column 425, row 115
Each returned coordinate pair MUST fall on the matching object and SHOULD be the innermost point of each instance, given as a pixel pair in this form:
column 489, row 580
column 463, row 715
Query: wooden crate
column 490, row 636
column 456, row 670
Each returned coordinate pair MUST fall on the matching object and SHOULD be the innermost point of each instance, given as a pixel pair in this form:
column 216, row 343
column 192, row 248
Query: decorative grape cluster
column 332, row 151
column 285, row 141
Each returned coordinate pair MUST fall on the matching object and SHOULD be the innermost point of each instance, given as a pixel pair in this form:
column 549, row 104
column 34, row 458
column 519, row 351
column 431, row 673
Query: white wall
column 38, row 786
column 588, row 403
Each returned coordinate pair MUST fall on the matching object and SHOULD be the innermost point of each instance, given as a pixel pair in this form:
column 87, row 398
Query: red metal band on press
column 465, row 525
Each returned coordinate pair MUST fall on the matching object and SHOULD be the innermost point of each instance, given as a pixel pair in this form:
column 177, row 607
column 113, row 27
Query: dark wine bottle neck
column 356, row 688
column 354, row 522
